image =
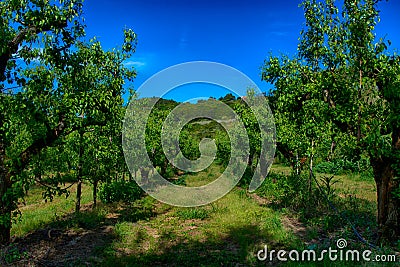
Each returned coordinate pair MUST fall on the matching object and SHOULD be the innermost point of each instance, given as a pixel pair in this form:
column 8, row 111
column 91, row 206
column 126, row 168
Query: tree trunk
column 5, row 206
column 286, row 153
column 386, row 174
column 95, row 183
column 78, row 196
column 80, row 163
column 123, row 171
column 163, row 168
column 5, row 230
column 5, row 185
column 39, row 169
column 109, row 176
column 331, row 151
column 145, row 175
column 250, row 161
column 388, row 205
column 311, row 168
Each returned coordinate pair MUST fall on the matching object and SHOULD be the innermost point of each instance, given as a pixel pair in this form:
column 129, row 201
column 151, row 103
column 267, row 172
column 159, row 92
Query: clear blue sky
column 237, row 33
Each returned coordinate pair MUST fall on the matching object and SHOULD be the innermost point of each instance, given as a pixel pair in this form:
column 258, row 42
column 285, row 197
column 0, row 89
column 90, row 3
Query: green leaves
column 342, row 88
column 64, row 84
column 130, row 41
column 333, row 81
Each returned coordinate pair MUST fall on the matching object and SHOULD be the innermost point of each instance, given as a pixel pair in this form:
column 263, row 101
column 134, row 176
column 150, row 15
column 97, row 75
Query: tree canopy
column 343, row 85
column 53, row 83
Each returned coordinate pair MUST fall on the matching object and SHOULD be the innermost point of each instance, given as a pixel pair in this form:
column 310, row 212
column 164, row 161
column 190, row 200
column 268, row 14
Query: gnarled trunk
column 388, row 206
column 5, row 205
column 386, row 183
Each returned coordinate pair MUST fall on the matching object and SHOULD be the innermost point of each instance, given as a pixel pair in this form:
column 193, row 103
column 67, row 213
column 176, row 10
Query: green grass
column 281, row 169
column 227, row 232
column 37, row 213
column 202, row 178
column 231, row 230
column 353, row 197
column 192, row 213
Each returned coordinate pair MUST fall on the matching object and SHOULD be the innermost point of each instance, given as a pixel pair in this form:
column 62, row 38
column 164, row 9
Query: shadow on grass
column 74, row 239
column 334, row 218
column 91, row 238
column 87, row 238
column 231, row 249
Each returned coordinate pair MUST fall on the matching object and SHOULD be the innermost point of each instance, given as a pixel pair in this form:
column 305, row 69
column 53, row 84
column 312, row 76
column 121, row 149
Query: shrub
column 328, row 167
column 287, row 190
column 294, row 192
column 180, row 181
column 342, row 165
column 120, row 191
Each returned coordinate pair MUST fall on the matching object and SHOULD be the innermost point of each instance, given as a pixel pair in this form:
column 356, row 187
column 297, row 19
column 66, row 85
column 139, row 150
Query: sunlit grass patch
column 192, row 213
column 230, row 230
column 204, row 177
column 37, row 213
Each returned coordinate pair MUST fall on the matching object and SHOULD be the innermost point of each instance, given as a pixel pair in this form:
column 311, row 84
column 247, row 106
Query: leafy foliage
column 342, row 87
column 285, row 190
column 53, row 82
column 120, row 191
column 342, row 165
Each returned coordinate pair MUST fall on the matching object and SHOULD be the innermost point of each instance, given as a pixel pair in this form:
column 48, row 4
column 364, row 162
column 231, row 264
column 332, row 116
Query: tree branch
column 20, row 37
column 39, row 144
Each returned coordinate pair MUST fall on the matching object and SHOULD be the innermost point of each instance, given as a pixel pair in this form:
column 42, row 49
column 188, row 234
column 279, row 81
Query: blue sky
column 240, row 34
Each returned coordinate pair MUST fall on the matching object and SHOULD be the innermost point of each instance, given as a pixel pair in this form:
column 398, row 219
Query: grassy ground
column 228, row 232
column 352, row 195
column 37, row 213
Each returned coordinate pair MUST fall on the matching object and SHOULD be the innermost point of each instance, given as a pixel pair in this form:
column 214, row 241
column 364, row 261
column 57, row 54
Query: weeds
column 115, row 191
column 12, row 254
column 192, row 213
column 324, row 206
